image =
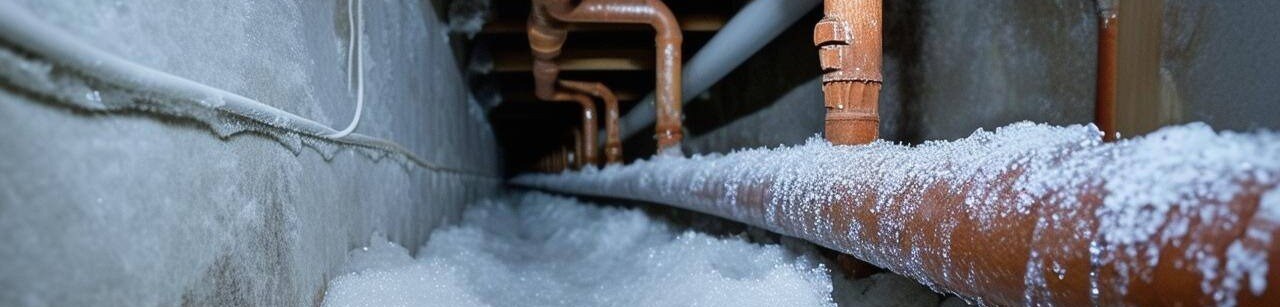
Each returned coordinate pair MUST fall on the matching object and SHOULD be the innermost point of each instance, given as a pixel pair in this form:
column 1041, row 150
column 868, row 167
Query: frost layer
column 540, row 250
column 1157, row 192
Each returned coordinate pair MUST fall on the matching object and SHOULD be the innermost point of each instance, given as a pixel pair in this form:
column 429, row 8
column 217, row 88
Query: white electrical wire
column 23, row 30
column 354, row 51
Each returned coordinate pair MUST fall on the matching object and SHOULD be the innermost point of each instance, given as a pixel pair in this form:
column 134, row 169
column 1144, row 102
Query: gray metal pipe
column 755, row 25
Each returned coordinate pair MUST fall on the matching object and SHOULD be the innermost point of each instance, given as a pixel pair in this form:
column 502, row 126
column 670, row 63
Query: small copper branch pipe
column 669, row 38
column 1105, row 105
column 849, row 49
column 586, row 151
column 577, row 148
column 546, row 38
column 613, row 143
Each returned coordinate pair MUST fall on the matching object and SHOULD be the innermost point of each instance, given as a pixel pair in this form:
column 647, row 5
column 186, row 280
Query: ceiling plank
column 578, row 59
column 688, row 23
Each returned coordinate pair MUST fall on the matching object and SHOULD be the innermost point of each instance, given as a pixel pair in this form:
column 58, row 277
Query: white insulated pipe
column 755, row 25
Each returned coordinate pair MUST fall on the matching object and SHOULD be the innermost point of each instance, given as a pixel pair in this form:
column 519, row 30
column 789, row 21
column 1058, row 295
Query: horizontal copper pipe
column 613, row 142
column 849, row 48
column 1026, row 220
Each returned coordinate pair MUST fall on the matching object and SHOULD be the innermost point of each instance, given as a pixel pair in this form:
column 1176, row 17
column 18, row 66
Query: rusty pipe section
column 849, row 49
column 1024, row 216
column 613, row 140
column 1105, row 104
column 668, row 41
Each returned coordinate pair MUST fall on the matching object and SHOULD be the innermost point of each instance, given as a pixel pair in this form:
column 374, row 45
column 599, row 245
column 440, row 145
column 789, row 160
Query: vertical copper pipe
column 546, row 38
column 1105, row 105
column 578, row 151
column 586, row 153
column 668, row 40
column 613, row 140
column 849, row 48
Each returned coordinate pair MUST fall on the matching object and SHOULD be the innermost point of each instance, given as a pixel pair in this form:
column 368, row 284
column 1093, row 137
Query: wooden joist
column 688, row 23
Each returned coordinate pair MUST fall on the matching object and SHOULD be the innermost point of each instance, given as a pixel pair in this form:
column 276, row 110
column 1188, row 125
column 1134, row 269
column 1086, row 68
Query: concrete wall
column 952, row 67
column 1219, row 63
column 137, row 208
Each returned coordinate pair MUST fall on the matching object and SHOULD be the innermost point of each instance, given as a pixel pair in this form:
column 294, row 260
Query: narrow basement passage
column 639, row 153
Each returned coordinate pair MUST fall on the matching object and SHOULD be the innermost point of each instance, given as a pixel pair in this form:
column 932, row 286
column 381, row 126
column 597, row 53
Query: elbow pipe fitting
column 668, row 131
column 586, row 151
column 613, row 143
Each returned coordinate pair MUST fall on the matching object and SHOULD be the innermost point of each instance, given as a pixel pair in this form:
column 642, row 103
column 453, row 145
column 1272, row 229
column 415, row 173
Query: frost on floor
column 541, row 250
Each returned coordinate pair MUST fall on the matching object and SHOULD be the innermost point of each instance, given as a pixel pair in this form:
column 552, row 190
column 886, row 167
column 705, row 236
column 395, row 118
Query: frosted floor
column 540, row 250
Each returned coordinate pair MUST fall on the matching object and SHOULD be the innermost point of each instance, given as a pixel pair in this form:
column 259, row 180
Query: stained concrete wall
column 1219, row 65
column 135, row 208
column 952, row 67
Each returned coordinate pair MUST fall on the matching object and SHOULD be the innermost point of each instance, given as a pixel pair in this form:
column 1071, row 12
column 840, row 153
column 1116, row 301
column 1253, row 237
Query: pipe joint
column 849, row 50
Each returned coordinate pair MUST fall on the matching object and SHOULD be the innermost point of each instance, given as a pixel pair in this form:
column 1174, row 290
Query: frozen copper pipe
column 1105, row 105
column 613, row 143
column 849, row 49
column 652, row 12
column 1053, row 222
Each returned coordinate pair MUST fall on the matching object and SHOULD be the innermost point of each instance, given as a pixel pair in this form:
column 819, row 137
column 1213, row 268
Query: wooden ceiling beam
column 527, row 96
column 688, row 23
column 578, row 59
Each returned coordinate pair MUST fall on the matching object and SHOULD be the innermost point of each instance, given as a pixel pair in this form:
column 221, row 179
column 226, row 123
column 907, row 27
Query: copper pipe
column 578, row 152
column 554, row 161
column 1105, row 105
column 652, row 12
column 849, row 48
column 586, row 151
column 613, row 143
column 983, row 235
column 546, row 38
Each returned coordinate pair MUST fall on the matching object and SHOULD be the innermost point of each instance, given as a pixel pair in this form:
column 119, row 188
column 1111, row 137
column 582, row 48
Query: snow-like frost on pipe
column 1023, row 215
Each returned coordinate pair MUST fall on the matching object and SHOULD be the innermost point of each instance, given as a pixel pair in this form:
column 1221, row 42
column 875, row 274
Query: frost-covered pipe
column 754, row 26
column 1027, row 215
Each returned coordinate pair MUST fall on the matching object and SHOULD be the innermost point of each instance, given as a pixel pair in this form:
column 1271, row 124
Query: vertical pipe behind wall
column 1105, row 106
column 849, row 48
